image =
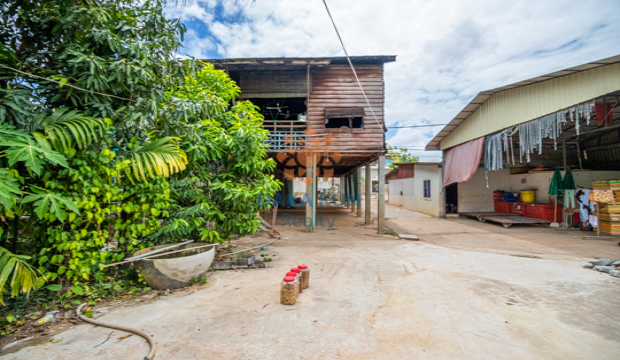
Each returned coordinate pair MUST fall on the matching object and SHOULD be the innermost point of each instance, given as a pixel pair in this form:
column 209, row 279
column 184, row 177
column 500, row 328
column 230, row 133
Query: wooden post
column 381, row 196
column 368, row 196
column 358, row 198
column 352, row 194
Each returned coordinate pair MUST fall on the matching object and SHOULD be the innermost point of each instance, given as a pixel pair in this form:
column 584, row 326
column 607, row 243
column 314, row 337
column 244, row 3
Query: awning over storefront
column 461, row 162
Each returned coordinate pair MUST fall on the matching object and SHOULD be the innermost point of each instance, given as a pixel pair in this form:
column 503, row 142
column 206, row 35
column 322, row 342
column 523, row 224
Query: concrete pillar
column 315, row 187
column 358, row 197
column 381, row 195
column 368, row 195
column 345, row 180
column 341, row 191
column 353, row 192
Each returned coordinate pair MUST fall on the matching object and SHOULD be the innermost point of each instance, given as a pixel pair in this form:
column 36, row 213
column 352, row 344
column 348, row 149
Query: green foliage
column 401, row 155
column 75, row 248
column 49, row 204
column 63, row 125
column 217, row 196
column 21, row 147
column 23, row 277
column 9, row 189
column 160, row 157
column 105, row 136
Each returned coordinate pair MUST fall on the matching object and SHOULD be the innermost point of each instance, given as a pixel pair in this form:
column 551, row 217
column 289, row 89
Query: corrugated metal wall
column 515, row 106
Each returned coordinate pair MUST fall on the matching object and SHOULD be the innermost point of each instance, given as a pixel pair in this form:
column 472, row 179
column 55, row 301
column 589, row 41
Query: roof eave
column 474, row 104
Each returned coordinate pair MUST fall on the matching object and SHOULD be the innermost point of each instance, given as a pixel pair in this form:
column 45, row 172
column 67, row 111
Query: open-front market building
column 501, row 150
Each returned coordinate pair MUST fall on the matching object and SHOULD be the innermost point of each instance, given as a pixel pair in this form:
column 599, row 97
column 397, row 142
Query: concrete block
column 600, row 262
column 605, row 268
column 408, row 237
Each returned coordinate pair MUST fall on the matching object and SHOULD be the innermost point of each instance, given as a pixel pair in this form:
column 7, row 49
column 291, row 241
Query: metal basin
column 176, row 270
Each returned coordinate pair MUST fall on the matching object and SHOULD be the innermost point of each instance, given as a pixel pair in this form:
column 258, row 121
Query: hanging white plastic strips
column 493, row 159
column 532, row 133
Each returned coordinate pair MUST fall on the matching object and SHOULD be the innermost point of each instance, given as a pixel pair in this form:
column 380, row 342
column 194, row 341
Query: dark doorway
column 452, row 199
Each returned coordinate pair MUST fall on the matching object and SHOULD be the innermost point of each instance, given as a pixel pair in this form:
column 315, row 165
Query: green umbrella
column 556, row 186
column 569, row 182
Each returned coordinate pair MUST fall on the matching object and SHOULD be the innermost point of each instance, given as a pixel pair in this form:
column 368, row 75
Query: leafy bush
column 109, row 143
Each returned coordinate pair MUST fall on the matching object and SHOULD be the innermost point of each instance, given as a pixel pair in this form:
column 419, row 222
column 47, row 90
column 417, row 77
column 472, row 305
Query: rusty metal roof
column 365, row 59
column 483, row 96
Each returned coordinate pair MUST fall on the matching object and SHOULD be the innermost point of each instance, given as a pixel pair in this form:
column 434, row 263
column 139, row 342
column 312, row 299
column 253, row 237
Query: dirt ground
column 467, row 290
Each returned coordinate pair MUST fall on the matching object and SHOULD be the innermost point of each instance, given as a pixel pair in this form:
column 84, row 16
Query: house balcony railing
column 283, row 140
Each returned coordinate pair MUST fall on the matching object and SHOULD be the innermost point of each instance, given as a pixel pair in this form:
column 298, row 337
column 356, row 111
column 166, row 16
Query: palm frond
column 65, row 126
column 161, row 157
column 24, row 278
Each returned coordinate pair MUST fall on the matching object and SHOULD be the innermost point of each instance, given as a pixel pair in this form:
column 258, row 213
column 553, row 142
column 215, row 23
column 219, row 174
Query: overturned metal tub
column 175, row 270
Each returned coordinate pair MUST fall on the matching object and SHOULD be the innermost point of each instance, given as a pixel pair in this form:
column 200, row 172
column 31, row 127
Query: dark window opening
column 352, row 123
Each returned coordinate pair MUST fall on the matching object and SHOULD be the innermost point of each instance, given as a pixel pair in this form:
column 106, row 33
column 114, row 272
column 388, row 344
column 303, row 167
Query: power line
column 350, row 63
column 414, row 126
column 64, row 84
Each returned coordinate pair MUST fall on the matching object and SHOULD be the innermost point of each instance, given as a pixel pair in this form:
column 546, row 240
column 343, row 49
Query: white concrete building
column 417, row 187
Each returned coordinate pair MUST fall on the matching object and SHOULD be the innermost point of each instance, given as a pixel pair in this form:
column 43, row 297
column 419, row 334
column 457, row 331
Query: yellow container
column 528, row 196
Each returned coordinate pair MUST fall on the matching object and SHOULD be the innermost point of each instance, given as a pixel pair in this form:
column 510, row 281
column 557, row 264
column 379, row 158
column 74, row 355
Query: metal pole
column 443, row 189
column 381, row 197
column 368, row 196
column 564, row 214
column 564, row 155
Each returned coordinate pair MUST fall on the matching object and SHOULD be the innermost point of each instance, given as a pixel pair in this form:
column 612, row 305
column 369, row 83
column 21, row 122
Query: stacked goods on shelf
column 609, row 220
column 600, row 185
column 615, row 186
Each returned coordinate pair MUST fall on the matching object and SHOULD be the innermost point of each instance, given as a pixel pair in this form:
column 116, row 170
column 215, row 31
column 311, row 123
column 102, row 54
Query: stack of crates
column 609, row 216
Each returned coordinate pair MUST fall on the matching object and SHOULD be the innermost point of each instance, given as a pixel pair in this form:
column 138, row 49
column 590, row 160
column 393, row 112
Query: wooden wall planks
column 335, row 86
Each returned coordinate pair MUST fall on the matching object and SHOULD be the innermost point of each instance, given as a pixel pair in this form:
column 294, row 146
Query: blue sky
column 447, row 51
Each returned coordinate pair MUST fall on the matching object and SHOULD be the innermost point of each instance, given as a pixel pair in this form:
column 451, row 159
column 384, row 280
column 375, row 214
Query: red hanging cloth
column 461, row 162
column 601, row 113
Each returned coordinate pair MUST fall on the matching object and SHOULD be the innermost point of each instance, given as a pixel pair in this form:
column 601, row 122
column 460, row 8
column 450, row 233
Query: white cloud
column 447, row 50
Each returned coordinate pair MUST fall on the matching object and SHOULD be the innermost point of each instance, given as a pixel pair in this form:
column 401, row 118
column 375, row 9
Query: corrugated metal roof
column 482, row 97
column 417, row 163
column 363, row 59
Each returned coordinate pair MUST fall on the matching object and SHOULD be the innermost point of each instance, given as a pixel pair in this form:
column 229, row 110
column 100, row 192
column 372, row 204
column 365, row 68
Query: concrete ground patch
column 372, row 298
